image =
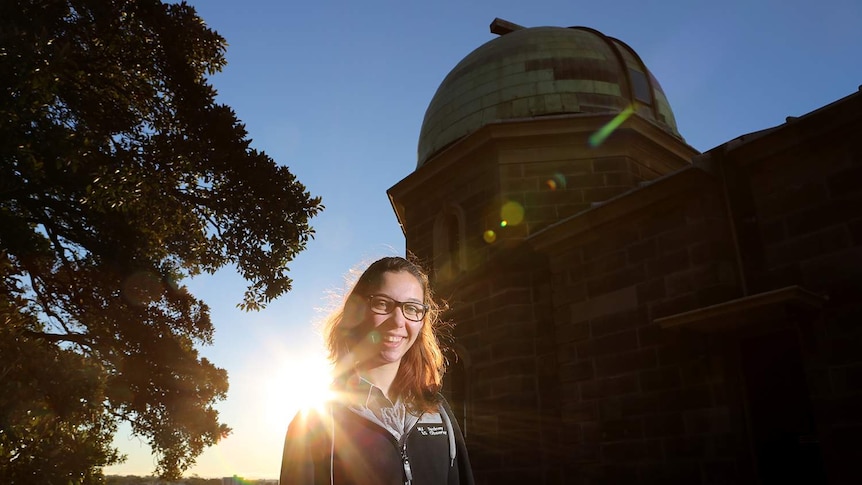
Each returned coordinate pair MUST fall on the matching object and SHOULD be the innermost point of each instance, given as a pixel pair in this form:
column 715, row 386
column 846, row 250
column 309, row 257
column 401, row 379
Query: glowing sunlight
column 299, row 382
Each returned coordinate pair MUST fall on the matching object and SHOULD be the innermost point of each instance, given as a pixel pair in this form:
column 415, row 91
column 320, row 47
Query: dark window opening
column 782, row 427
column 640, row 86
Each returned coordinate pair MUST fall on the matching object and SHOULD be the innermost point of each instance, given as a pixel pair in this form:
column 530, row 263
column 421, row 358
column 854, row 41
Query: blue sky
column 337, row 90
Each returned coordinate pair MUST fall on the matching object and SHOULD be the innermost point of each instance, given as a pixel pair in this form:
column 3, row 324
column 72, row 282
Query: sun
column 299, row 382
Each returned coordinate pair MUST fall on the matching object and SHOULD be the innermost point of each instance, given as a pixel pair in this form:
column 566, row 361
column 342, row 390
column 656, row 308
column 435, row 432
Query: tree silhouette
column 120, row 176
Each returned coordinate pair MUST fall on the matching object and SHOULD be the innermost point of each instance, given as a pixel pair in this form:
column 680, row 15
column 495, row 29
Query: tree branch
column 77, row 338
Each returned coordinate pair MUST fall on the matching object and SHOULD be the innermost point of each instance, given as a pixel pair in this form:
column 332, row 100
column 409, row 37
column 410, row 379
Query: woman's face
column 393, row 334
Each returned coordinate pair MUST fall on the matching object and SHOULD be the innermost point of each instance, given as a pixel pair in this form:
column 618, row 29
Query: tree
column 120, row 175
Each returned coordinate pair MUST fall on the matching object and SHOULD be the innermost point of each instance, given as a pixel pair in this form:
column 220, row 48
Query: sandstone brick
column 776, row 277
column 772, row 231
column 651, row 290
column 617, row 322
column 835, row 212
column 511, row 315
column 721, row 472
column 578, row 412
column 624, row 452
column 610, row 408
column 627, row 362
column 585, row 180
column 681, row 238
column 609, row 387
column 573, row 332
column 514, row 297
column 614, row 164
column 600, row 194
column 665, row 424
column 707, row 421
column 622, row 179
column 659, row 379
column 567, row 168
column 511, row 349
column 663, row 221
column 508, row 186
column 583, row 453
column 685, row 349
column 573, row 293
column 615, row 240
column 724, row 445
column 622, row 429
column 711, row 251
column 639, row 405
column 505, row 474
column 616, row 280
column 685, row 447
column 545, row 197
column 695, row 371
column 673, row 306
column 620, row 473
column 514, row 170
column 684, row 399
column 576, row 371
column 590, row 432
column 567, row 210
column 605, row 263
column 845, row 182
column 652, row 335
column 675, row 473
column 608, row 344
column 641, row 251
column 667, row 264
column 796, row 170
column 622, row 300
column 715, row 294
column 792, row 199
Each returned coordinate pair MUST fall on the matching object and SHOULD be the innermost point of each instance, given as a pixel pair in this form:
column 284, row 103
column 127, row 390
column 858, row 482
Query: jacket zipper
column 405, row 460
column 408, row 473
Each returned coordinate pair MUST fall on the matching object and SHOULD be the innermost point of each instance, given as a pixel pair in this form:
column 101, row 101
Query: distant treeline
column 136, row 480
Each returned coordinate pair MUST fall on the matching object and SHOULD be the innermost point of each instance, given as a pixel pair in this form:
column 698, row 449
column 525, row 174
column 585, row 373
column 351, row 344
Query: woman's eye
column 380, row 304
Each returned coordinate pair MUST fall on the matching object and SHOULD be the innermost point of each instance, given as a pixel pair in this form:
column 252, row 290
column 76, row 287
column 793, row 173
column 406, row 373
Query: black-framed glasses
column 383, row 305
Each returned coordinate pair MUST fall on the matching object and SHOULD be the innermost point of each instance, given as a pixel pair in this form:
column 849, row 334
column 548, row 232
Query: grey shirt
column 368, row 400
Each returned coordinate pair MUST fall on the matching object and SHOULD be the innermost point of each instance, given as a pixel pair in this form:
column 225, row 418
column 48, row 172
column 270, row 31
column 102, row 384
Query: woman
column 388, row 422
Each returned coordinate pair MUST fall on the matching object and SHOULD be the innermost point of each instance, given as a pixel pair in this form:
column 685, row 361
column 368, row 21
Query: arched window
column 449, row 250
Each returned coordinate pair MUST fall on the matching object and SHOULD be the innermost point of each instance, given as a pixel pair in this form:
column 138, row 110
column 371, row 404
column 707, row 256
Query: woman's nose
column 399, row 317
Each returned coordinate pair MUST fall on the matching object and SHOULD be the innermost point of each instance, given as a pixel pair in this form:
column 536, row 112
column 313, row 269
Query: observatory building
column 628, row 310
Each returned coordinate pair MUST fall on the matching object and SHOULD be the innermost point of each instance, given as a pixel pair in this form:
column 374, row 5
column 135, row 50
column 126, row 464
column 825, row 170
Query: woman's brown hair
column 420, row 374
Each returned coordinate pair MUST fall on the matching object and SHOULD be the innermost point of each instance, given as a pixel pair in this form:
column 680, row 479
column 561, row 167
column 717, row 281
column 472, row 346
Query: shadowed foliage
column 119, row 177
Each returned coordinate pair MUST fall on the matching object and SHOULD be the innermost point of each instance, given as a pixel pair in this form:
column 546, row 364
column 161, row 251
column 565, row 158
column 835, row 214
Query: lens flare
column 558, row 181
column 374, row 336
column 504, row 223
column 489, row 236
column 512, row 212
column 604, row 132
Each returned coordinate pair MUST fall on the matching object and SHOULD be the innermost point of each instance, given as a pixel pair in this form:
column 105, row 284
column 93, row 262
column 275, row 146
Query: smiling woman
column 388, row 422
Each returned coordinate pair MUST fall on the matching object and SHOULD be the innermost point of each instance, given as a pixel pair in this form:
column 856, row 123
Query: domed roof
column 539, row 71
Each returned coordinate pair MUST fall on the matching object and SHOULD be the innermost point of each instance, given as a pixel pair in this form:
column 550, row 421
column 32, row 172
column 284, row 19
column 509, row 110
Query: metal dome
column 540, row 71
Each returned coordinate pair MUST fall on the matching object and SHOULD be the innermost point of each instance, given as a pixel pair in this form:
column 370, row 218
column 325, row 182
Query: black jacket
column 338, row 446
